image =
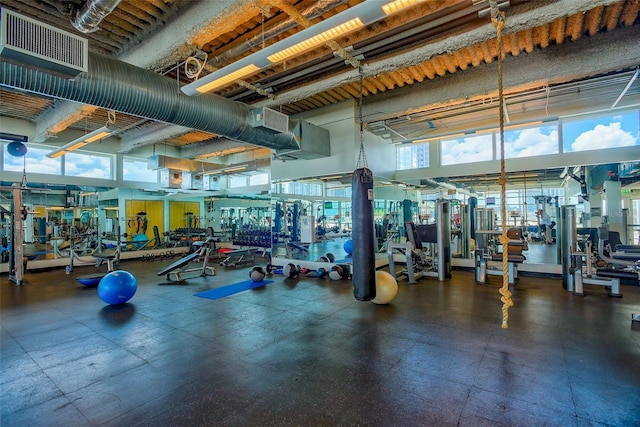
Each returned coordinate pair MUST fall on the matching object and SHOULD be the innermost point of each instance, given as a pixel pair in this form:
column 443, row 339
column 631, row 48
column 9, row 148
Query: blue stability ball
column 117, row 287
column 348, row 247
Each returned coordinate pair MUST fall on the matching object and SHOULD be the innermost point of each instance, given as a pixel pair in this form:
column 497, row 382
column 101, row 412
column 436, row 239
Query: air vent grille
column 34, row 43
column 271, row 120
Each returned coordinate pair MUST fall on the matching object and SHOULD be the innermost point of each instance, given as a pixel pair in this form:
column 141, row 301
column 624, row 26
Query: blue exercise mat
column 225, row 291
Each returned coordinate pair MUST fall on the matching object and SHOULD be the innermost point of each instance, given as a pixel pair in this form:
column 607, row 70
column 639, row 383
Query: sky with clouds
column 477, row 148
column 579, row 135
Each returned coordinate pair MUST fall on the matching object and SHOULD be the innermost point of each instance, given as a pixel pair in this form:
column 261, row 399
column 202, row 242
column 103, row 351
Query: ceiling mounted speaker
column 16, row 149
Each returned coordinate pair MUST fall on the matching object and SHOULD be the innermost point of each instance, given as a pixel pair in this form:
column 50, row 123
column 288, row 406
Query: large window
column 259, row 179
column 469, row 149
column 621, row 130
column 236, row 181
column 35, row 161
column 412, row 156
column 88, row 165
column 536, row 141
column 301, row 188
column 339, row 192
column 137, row 170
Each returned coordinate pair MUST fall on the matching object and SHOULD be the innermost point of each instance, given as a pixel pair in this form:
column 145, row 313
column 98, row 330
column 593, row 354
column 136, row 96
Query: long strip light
column 96, row 135
column 314, row 41
column 350, row 20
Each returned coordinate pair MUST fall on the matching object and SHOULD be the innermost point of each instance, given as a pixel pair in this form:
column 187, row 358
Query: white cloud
column 603, row 136
column 89, row 166
column 532, row 142
column 467, row 150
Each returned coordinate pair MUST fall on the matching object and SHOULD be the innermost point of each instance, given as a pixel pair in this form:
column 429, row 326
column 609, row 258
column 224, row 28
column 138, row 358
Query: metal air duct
column 92, row 13
column 116, row 85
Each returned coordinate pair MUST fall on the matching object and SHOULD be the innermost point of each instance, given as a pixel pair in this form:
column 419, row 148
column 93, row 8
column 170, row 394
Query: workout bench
column 485, row 254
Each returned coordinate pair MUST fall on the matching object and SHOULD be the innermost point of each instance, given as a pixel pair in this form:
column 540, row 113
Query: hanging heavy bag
column 364, row 268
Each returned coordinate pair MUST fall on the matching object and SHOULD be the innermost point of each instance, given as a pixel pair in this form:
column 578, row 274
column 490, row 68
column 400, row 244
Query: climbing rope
column 498, row 19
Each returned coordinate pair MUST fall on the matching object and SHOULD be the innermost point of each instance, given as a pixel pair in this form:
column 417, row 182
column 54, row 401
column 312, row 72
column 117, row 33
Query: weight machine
column 487, row 255
column 582, row 265
column 427, row 251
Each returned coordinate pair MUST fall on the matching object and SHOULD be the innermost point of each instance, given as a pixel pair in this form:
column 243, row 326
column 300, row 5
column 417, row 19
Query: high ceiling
column 444, row 49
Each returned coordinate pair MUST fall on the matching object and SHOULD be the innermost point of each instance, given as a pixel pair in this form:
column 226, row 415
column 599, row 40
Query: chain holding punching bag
column 364, row 263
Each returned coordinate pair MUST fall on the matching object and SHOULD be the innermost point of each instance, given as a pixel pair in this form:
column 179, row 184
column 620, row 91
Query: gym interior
column 337, row 212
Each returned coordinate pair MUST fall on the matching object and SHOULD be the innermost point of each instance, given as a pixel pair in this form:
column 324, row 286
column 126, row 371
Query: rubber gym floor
column 305, row 352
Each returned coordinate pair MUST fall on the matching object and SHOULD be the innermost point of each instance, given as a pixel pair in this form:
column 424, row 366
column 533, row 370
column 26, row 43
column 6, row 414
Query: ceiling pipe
column 116, row 85
column 87, row 19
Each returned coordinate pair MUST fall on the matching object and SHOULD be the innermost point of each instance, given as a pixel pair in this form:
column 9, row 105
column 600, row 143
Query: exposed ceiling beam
column 60, row 118
column 584, row 58
column 519, row 18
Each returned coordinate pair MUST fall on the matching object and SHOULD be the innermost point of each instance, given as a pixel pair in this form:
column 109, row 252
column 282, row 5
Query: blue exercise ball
column 117, row 287
column 348, row 247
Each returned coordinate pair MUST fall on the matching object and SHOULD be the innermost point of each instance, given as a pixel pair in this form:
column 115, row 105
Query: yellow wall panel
column 155, row 216
column 178, row 217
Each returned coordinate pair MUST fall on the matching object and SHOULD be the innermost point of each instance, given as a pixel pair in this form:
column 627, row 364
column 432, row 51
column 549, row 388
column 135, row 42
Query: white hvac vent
column 40, row 45
column 271, row 120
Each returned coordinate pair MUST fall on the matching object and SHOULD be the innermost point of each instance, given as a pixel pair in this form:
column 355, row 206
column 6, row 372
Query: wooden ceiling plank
column 370, row 85
column 595, row 20
column 575, row 24
column 526, row 40
column 541, row 36
column 558, row 30
column 334, row 94
column 350, row 87
column 415, row 73
column 428, row 69
column 377, row 85
column 612, row 15
column 487, row 56
column 461, row 61
column 630, row 13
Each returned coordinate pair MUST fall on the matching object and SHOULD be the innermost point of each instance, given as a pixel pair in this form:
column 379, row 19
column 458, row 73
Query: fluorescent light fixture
column 435, row 138
column 511, row 127
column 314, row 41
column 397, row 5
column 96, row 135
column 223, row 81
column 355, row 17
column 234, row 169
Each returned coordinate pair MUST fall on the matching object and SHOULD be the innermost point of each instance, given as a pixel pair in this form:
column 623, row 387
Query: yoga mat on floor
column 225, row 291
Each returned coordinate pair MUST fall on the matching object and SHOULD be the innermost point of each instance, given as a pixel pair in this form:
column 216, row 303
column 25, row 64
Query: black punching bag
column 407, row 215
column 364, row 263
